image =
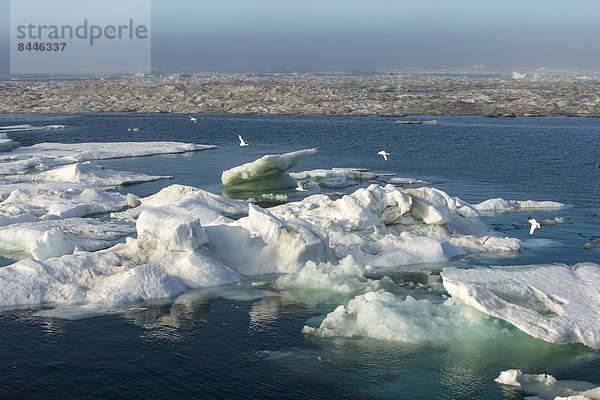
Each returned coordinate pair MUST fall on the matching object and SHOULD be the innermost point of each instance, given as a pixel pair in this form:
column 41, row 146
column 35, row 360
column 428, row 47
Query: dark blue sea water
column 249, row 345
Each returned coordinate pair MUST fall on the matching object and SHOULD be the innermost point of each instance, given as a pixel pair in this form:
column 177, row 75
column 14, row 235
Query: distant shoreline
column 390, row 95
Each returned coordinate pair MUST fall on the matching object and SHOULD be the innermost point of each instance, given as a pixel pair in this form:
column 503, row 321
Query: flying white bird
column 534, row 225
column 384, row 154
column 194, row 120
column 242, row 143
column 300, row 186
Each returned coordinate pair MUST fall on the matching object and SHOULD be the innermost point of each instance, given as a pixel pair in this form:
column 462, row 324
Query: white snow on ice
column 501, row 205
column 266, row 173
column 553, row 302
column 43, row 156
column 545, row 386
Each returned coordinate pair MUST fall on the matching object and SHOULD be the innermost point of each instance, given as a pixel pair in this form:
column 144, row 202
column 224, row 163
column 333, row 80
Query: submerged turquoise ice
column 250, row 340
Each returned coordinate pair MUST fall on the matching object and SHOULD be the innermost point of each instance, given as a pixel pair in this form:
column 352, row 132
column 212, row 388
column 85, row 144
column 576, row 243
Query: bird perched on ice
column 384, row 154
column 242, row 142
column 300, row 186
column 534, row 225
column 194, row 120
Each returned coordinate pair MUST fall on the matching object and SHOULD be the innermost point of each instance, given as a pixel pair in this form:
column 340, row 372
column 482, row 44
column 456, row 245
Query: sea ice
column 345, row 277
column 85, row 173
column 385, row 316
column 111, row 278
column 86, row 234
column 209, row 207
column 52, row 243
column 501, row 205
column 336, row 177
column 545, row 386
column 265, row 174
column 43, row 156
column 25, row 128
column 170, row 228
column 6, row 143
column 57, row 200
column 347, row 173
column 263, row 243
column 374, row 225
column 553, row 302
column 406, row 181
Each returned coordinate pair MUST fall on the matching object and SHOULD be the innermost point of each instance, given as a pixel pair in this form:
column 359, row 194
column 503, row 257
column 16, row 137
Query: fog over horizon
column 199, row 35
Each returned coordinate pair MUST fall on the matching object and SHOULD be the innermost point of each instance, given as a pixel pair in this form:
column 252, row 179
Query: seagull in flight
column 384, row 154
column 194, row 120
column 534, row 225
column 300, row 186
column 242, row 142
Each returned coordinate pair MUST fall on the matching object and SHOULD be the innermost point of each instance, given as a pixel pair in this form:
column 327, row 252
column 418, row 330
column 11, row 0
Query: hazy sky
column 311, row 34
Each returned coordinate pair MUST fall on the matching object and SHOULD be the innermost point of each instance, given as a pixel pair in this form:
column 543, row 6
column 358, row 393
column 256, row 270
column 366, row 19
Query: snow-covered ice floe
column 184, row 227
column 385, row 316
column 6, row 143
column 164, row 261
column 187, row 238
column 265, row 174
column 336, row 177
column 208, row 207
column 553, row 302
column 83, row 172
column 28, row 128
column 62, row 236
column 501, row 205
column 545, row 386
column 56, row 200
column 44, row 156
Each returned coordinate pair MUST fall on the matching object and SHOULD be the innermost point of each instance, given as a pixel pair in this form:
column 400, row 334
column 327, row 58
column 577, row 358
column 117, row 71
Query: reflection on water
column 263, row 313
column 181, row 315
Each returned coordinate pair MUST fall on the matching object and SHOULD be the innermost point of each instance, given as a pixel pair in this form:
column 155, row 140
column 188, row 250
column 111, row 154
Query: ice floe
column 385, row 316
column 406, row 181
column 345, row 277
column 183, row 237
column 208, row 207
column 26, row 128
column 84, row 172
column 501, row 205
column 336, row 177
column 555, row 221
column 553, row 302
column 134, row 271
column 43, row 156
column 262, row 243
column 57, row 200
column 545, row 386
column 6, row 143
column 376, row 227
column 265, row 174
column 85, row 234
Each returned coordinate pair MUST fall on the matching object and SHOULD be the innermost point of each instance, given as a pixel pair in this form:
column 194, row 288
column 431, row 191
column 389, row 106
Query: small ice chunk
column 346, row 277
column 545, row 386
column 501, row 205
column 266, row 173
column 53, row 243
column 430, row 206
